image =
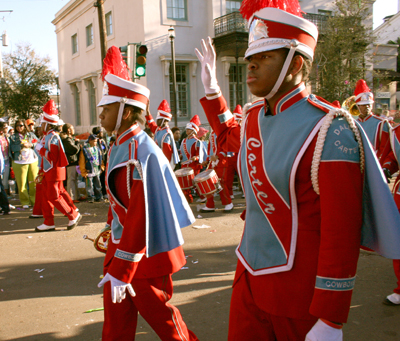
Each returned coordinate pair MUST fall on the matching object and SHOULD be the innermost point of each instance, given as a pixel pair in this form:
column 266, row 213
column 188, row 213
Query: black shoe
column 35, row 216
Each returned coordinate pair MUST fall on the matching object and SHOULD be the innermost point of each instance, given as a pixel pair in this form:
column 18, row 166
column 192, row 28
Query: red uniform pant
column 224, row 194
column 39, row 198
column 230, row 173
column 151, row 301
column 37, row 208
column 247, row 322
column 396, row 267
column 54, row 195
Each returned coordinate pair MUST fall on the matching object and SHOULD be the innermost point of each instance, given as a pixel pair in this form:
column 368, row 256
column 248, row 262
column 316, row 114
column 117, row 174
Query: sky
column 30, row 22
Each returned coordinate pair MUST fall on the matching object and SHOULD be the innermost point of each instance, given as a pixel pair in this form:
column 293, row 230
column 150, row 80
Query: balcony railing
column 319, row 20
column 229, row 23
column 234, row 22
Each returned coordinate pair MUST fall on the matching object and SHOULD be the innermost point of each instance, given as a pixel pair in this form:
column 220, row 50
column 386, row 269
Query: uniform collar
column 128, row 134
column 290, row 98
column 365, row 119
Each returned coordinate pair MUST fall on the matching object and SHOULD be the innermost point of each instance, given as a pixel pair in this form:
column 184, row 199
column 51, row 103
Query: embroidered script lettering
column 254, row 143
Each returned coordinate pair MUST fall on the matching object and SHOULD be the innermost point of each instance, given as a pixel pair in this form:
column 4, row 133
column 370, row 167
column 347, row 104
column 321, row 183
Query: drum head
column 205, row 175
column 184, row 171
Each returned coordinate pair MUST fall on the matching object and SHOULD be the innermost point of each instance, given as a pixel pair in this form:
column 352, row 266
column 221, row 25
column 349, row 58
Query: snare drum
column 207, row 182
column 185, row 177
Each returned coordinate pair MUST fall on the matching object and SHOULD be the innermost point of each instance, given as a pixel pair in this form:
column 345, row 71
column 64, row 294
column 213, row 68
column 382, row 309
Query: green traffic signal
column 140, row 68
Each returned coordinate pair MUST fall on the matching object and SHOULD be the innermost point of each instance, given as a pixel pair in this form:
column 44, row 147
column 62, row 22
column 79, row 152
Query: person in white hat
column 52, row 173
column 147, row 211
column 377, row 128
column 301, row 170
column 162, row 133
column 193, row 152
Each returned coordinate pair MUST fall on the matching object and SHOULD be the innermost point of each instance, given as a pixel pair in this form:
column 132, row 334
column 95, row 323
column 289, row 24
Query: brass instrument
column 105, row 234
column 350, row 105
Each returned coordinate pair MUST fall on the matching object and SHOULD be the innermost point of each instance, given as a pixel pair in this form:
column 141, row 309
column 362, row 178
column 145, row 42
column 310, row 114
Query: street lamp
column 171, row 34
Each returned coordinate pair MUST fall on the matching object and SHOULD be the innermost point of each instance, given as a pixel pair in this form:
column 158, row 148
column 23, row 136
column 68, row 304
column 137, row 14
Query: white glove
column 322, row 332
column 118, row 288
column 38, row 147
column 208, row 67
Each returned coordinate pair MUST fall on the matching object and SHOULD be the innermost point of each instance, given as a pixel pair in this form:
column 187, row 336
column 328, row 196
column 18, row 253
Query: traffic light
column 125, row 54
column 140, row 67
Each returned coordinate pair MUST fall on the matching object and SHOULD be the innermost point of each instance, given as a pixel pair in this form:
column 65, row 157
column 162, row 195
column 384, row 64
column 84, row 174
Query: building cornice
column 67, row 10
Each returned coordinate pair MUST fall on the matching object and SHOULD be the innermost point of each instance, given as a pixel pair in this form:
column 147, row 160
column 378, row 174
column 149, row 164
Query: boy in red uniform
column 146, row 213
column 52, row 168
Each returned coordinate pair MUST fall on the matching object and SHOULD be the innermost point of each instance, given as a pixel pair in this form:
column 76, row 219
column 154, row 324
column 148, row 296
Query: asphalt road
column 49, row 280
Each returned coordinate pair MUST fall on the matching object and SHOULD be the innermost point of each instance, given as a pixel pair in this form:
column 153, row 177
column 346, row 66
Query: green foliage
column 26, row 83
column 340, row 55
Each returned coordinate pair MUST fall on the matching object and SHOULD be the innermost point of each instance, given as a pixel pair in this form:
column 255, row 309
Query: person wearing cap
column 24, row 162
column 193, row 152
column 30, row 125
column 52, row 173
column 377, row 128
column 162, row 133
column 219, row 162
column 303, row 186
column 147, row 211
column 91, row 165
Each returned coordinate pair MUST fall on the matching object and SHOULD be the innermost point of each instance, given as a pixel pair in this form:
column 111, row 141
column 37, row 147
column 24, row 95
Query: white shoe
column 45, row 227
column 25, row 206
column 77, row 209
column 201, row 200
column 11, row 207
column 232, row 196
column 207, row 209
column 393, row 299
column 73, row 223
column 228, row 207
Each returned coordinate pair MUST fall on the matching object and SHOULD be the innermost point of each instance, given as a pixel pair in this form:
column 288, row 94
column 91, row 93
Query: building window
column 176, row 9
column 74, row 41
column 109, row 28
column 183, row 91
column 237, row 88
column 89, row 35
column 92, row 103
column 78, row 120
column 232, row 6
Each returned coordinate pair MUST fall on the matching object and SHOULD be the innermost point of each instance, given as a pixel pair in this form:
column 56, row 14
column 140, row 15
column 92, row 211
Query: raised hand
column 208, row 67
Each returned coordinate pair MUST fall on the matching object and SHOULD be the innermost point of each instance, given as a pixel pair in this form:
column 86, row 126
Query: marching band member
column 299, row 250
column 147, row 211
column 52, row 171
column 233, row 157
column 391, row 166
column 162, row 133
column 193, row 152
column 219, row 162
column 376, row 128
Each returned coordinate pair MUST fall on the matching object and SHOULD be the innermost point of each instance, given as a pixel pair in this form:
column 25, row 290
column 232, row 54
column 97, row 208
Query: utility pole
column 102, row 27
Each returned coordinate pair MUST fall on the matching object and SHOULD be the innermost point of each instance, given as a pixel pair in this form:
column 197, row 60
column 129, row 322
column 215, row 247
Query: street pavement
column 48, row 280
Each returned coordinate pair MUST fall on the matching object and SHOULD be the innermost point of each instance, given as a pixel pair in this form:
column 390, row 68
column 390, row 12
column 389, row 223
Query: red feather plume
column 249, row 7
column 114, row 63
column 50, row 108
